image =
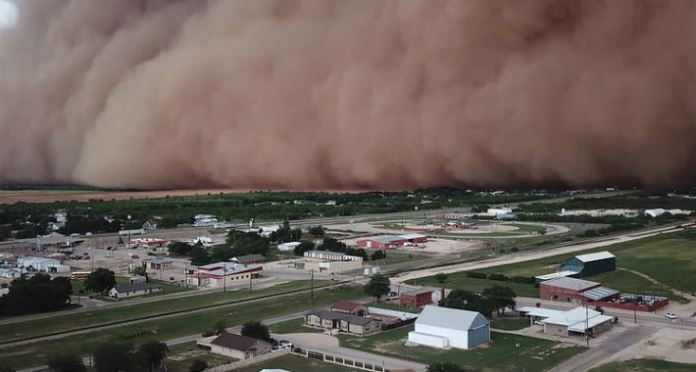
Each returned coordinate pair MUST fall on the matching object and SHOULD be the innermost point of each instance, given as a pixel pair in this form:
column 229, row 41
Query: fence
column 339, row 359
column 247, row 362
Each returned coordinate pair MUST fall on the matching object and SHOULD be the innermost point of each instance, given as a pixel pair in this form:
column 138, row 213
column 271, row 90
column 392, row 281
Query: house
column 445, row 328
column 327, row 261
column 349, row 307
column 591, row 264
column 157, row 263
column 392, row 241
column 133, row 290
column 249, row 259
column 578, row 321
column 288, row 247
column 421, row 296
column 332, row 320
column 235, row 346
column 220, row 274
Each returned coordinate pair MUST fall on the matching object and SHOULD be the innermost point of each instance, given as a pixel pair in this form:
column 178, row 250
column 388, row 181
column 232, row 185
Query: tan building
column 349, row 307
column 342, row 322
column 235, row 346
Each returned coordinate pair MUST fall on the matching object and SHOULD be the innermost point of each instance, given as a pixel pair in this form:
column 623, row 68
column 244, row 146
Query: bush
column 524, row 279
column 499, row 277
column 198, row 366
column 476, row 275
column 514, row 249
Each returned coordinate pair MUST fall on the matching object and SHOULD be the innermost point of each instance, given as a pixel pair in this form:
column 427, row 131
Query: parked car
column 671, row 316
column 284, row 344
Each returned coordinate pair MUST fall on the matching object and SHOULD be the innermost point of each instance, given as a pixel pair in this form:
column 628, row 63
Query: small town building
column 392, row 241
column 331, row 256
column 288, row 247
column 220, row 274
column 157, row 263
column 235, row 346
column 565, row 289
column 342, row 322
column 150, row 243
column 133, row 290
column 42, row 264
column 591, row 264
column 421, row 296
column 349, row 307
column 445, row 328
column 578, row 321
column 249, row 259
column 327, row 261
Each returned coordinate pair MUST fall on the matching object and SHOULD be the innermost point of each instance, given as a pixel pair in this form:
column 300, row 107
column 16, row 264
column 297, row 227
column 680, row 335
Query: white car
column 670, row 315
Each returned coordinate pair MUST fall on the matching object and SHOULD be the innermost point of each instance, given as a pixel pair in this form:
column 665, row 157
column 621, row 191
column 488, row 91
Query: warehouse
column 591, row 264
column 421, row 296
column 392, row 241
column 568, row 289
column 578, row 321
column 445, row 328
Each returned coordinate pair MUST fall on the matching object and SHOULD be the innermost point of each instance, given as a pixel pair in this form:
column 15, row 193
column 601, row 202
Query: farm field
column 164, row 329
column 40, row 327
column 532, row 354
column 645, row 365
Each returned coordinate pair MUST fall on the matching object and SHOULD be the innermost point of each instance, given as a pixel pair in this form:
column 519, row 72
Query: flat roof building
column 391, row 241
column 578, row 321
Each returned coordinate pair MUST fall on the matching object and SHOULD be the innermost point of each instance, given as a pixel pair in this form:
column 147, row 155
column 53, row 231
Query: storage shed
column 591, row 264
column 445, row 328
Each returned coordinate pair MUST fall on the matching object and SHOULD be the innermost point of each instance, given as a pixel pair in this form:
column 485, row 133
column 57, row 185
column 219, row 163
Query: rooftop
column 345, row 305
column 595, row 256
column 571, row 283
column 443, row 317
column 417, row 291
column 236, row 342
column 333, row 315
column 599, row 293
column 558, row 274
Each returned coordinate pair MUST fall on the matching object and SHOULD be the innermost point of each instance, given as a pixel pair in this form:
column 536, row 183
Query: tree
column 304, row 247
column 36, row 294
column 378, row 255
column 113, row 357
column 444, row 367
column 378, row 286
column 66, row 363
column 256, row 330
column 199, row 256
column 139, row 270
column 220, row 326
column 179, row 248
column 441, row 278
column 6, row 369
column 501, row 298
column 100, row 280
column 317, row 231
column 153, row 353
column 333, row 245
column 466, row 300
column 198, row 365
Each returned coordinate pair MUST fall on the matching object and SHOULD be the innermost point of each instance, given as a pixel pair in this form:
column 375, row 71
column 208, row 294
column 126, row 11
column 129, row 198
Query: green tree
column 139, row 270
column 444, row 367
column 199, row 256
column 317, row 231
column 220, row 326
column 304, row 247
column 378, row 255
column 256, row 330
column 198, row 365
column 500, row 297
column 179, row 248
column 378, row 286
column 36, row 294
column 153, row 353
column 100, row 280
column 66, row 363
column 466, row 300
column 441, row 278
column 113, row 357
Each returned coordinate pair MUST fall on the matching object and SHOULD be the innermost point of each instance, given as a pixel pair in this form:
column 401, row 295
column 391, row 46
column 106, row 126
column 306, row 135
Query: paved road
column 329, row 345
column 596, row 355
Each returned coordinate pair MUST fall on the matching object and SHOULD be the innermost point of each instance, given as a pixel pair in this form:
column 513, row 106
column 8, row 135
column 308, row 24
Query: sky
column 8, row 14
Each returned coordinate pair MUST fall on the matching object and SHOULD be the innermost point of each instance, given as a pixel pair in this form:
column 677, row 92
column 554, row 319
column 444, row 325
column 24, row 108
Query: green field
column 645, row 365
column 509, row 324
column 40, row 327
column 532, row 354
column 168, row 328
column 670, row 259
column 395, row 257
column 292, row 326
column 296, row 364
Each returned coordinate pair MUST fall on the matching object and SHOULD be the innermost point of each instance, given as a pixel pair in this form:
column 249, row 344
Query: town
column 537, row 282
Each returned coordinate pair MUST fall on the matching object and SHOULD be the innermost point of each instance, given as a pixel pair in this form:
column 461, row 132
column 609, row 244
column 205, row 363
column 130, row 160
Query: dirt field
column 48, row 196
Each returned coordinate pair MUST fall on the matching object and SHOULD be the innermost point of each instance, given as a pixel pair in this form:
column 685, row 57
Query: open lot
column 292, row 326
column 296, row 364
column 501, row 355
column 181, row 357
column 40, row 327
column 169, row 328
column 645, row 365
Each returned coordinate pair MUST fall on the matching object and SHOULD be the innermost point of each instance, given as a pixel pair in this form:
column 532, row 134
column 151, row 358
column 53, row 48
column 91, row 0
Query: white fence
column 393, row 313
column 247, row 362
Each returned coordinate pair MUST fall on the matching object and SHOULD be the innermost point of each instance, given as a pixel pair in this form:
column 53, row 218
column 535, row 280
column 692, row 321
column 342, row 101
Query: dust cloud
column 360, row 94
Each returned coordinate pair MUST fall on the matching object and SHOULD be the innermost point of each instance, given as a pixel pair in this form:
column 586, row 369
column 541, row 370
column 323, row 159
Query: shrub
column 500, row 277
column 476, row 275
column 524, row 279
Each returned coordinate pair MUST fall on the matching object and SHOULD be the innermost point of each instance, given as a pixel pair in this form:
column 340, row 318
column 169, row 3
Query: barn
column 591, row 264
column 445, row 328
column 421, row 296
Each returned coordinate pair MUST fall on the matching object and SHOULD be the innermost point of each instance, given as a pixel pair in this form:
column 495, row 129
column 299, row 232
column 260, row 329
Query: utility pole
column 587, row 325
column 250, row 275
column 224, row 277
column 311, row 293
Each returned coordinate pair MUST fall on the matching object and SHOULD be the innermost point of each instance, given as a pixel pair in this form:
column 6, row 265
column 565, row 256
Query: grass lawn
column 292, row 326
column 391, row 306
column 626, row 281
column 394, row 257
column 78, row 287
column 164, row 329
column 64, row 322
column 645, row 365
column 461, row 281
column 181, row 357
column 510, row 324
column 533, row 354
column 296, row 364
